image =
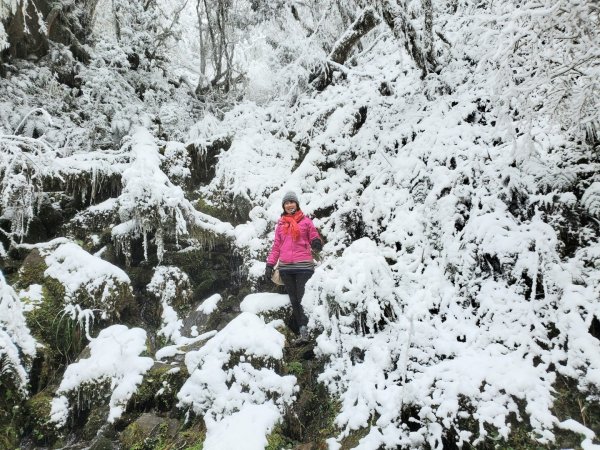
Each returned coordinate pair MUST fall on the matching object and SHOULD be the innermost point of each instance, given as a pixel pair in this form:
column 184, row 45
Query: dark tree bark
column 361, row 26
column 364, row 23
column 65, row 23
column 421, row 51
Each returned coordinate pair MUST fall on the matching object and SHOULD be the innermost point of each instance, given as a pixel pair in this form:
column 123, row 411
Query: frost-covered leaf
column 591, row 199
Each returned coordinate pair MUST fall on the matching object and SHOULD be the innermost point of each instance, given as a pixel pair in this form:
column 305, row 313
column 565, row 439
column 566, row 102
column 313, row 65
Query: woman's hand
column 268, row 272
column 316, row 244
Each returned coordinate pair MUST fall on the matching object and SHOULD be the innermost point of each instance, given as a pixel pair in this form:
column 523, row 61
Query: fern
column 591, row 199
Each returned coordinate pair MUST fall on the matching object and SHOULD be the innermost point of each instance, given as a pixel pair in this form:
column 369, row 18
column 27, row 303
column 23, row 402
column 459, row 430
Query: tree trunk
column 403, row 29
column 202, row 80
column 364, row 23
column 64, row 23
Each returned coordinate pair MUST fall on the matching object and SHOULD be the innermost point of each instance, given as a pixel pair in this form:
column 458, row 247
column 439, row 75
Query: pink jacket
column 290, row 251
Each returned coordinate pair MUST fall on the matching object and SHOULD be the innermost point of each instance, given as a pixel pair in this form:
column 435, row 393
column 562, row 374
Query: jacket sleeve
column 312, row 232
column 275, row 249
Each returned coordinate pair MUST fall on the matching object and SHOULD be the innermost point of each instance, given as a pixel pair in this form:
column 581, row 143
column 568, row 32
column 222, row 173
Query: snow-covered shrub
column 17, row 346
column 112, row 372
column 240, row 171
column 92, row 287
column 172, row 287
column 150, row 205
column 176, row 161
column 232, row 383
column 451, row 202
column 591, row 199
column 24, row 162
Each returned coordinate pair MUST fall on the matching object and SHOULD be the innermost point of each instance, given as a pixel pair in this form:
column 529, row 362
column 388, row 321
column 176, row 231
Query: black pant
column 294, row 285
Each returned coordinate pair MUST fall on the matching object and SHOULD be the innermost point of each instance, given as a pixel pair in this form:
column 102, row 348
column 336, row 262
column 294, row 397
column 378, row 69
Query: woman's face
column 290, row 207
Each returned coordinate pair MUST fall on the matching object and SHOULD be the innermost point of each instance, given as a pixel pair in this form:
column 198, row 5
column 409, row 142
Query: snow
column 228, row 389
column 576, row 427
column 210, row 304
column 264, row 302
column 151, row 203
column 31, row 297
column 241, row 171
column 460, row 213
column 17, row 346
column 434, row 288
column 114, row 356
column 92, row 285
column 245, row 429
column 169, row 351
column 76, row 269
column 170, row 284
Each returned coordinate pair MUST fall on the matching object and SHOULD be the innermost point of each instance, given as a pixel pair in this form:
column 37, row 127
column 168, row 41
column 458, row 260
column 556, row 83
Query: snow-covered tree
column 17, row 346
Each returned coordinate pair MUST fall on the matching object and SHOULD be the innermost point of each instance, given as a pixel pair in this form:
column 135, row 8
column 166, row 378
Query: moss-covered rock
column 12, row 414
column 209, row 268
column 32, row 270
column 159, row 388
column 40, row 430
column 101, row 443
column 63, row 338
column 95, row 421
column 62, row 335
column 149, row 432
column 309, row 420
column 189, row 437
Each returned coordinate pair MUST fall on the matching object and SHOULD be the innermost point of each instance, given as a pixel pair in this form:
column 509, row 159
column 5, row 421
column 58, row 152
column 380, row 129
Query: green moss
column 160, row 378
column 198, row 446
column 164, row 437
column 11, row 413
column 277, row 441
column 352, row 440
column 39, row 428
column 294, row 368
column 209, row 268
column 221, row 214
column 8, row 436
column 132, row 437
column 63, row 337
column 192, row 439
column 32, row 270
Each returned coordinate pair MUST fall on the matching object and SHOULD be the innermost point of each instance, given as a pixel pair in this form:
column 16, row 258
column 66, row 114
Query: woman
column 295, row 237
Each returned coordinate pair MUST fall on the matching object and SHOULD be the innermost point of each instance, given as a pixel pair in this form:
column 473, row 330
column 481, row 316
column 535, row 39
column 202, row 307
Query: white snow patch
column 224, row 385
column 210, row 304
column 17, row 346
column 31, row 297
column 264, row 302
column 247, row 428
column 114, row 356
